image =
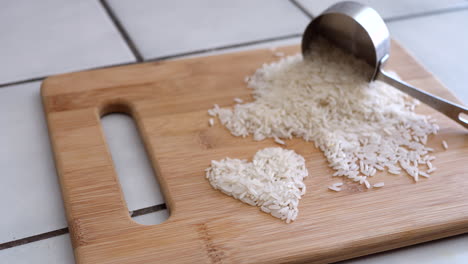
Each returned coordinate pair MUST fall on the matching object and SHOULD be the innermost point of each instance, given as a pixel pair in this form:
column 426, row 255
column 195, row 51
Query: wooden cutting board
column 169, row 101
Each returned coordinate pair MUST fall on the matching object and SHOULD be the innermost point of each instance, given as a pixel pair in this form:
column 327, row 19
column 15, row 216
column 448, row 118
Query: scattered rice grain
column 368, row 186
column 444, row 144
column 424, row 174
column 279, row 141
column 379, row 185
column 336, row 189
column 338, row 184
column 238, row 100
column 360, row 127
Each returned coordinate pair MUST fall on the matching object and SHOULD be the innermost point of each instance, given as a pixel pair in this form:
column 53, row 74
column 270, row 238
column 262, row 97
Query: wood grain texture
column 169, row 100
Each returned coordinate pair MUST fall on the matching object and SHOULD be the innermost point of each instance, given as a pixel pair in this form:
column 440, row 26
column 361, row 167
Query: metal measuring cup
column 360, row 30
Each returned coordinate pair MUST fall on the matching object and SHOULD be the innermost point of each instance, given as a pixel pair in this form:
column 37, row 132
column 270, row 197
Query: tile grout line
column 303, row 9
column 22, row 81
column 398, row 18
column 148, row 210
column 428, row 13
column 239, row 45
column 30, row 239
column 62, row 231
column 121, row 30
column 3, row 85
column 174, row 56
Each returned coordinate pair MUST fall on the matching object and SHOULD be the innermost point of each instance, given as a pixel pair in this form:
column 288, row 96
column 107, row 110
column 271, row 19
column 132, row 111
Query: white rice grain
column 273, row 181
column 429, row 164
column 444, row 144
column 336, row 189
column 212, row 112
column 338, row 184
column 360, row 127
column 424, row 174
column 379, row 185
column 238, row 100
column 368, row 186
column 279, row 141
column 395, row 172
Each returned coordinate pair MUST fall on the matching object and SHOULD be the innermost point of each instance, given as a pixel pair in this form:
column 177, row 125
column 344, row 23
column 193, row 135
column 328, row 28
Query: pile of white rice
column 273, row 181
column 361, row 128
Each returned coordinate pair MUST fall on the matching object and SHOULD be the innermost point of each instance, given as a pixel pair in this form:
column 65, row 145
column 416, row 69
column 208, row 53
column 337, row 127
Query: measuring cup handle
column 456, row 112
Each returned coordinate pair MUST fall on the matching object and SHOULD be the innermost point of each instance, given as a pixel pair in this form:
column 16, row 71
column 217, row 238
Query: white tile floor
column 58, row 250
column 391, row 9
column 55, row 250
column 29, row 192
column 40, row 39
column 440, row 45
column 163, row 28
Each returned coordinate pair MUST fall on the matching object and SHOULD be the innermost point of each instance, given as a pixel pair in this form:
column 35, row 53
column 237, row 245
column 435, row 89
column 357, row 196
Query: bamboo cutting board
column 169, row 101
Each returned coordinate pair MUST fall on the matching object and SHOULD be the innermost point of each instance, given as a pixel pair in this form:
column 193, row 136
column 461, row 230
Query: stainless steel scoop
column 360, row 30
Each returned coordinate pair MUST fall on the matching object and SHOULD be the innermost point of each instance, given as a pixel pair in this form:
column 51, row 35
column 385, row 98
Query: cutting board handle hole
column 136, row 175
column 115, row 107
